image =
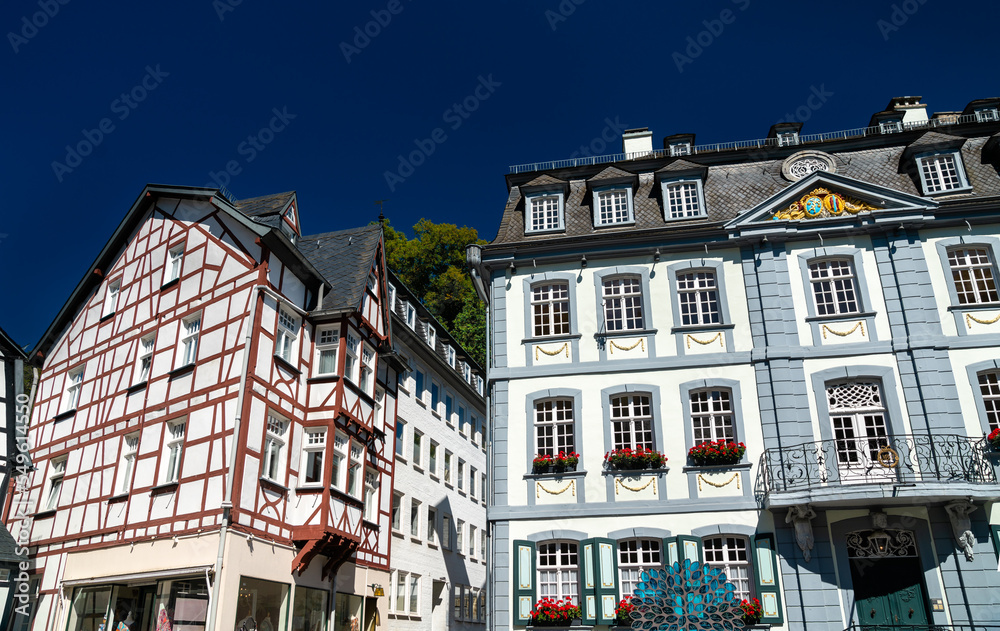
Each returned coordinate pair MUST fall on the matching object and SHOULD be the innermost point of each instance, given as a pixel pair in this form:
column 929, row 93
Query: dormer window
column 613, row 206
column 987, row 115
column 545, row 213
column 411, row 316
column 890, row 126
column 680, row 149
column 941, row 173
column 450, row 352
column 682, row 199
column 431, row 336
column 788, row 139
column 466, row 372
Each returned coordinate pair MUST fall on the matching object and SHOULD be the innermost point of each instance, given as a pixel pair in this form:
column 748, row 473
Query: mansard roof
column 344, row 258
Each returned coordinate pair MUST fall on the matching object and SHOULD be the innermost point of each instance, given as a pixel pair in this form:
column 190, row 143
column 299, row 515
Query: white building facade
column 830, row 302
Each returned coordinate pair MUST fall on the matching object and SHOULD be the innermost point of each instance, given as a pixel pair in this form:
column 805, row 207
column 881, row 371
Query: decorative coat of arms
column 820, row 203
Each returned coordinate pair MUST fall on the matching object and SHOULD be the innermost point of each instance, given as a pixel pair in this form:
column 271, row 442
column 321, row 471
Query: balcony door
column 860, row 430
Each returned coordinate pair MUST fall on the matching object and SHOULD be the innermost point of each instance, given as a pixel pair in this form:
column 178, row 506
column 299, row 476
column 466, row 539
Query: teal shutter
column 588, row 582
column 995, row 532
column 524, row 581
column 670, row 552
column 766, row 573
column 606, row 561
column 689, row 548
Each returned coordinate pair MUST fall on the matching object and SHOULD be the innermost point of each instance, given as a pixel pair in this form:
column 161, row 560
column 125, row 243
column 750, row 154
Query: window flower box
column 560, row 463
column 752, row 612
column 718, row 452
column 623, row 619
column 993, row 440
column 555, row 613
column 634, row 459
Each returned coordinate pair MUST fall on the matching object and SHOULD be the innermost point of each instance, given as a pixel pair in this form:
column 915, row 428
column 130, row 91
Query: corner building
column 828, row 300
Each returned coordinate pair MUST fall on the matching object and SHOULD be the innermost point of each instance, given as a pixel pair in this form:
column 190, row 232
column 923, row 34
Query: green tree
column 432, row 266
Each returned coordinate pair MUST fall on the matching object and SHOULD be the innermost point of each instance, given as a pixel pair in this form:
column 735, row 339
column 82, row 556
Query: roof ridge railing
column 760, row 143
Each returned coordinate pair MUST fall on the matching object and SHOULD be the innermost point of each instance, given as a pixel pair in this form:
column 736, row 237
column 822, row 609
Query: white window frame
column 447, row 466
column 415, row 518
column 287, row 335
column 482, row 544
column 840, row 286
column 619, row 298
column 144, row 358
column 634, row 557
column 355, row 470
column 431, row 525
column 313, row 445
column 175, row 261
column 111, row 298
column 680, row 149
column 554, row 422
column 446, row 531
column 559, row 580
column 702, row 299
column 399, row 587
column 890, row 126
column 53, row 485
column 430, row 334
column 370, row 506
column 366, row 371
column 683, row 198
column 411, row 315
column 547, row 203
column 126, row 463
column 472, row 541
column 418, row 448
column 989, row 395
column 187, row 350
column 396, row 511
column 392, row 297
column 460, row 536
column 400, row 438
column 472, row 482
column 935, row 178
column 173, row 450
column 449, row 408
column 432, row 451
column 72, row 389
column 414, row 595
column 327, row 344
column 466, row 372
column 461, row 475
column 711, row 419
column 351, row 357
column 788, row 139
column 550, row 309
column 978, row 279
column 987, row 115
column 613, row 195
column 273, row 457
column 632, row 420
column 338, row 460
column 738, row 570
column 450, row 354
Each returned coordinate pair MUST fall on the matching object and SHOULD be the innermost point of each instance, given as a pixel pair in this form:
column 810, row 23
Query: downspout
column 227, row 500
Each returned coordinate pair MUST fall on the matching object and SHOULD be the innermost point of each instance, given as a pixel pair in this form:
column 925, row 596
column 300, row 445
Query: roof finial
column 381, row 217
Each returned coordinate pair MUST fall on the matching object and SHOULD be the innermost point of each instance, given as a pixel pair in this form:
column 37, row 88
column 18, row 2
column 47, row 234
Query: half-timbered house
column 13, row 404
column 213, row 424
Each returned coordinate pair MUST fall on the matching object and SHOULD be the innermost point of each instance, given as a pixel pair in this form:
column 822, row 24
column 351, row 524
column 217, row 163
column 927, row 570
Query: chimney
column 913, row 110
column 637, row 142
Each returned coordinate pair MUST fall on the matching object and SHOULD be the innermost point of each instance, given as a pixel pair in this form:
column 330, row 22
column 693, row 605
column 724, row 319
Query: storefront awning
column 140, row 576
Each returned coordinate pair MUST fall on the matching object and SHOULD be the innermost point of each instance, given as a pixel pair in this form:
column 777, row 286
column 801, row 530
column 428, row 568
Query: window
column 446, row 532
column 432, row 458
column 476, row 430
column 941, row 172
column 415, row 518
column 973, row 274
column 788, row 139
column 397, row 500
column 189, row 340
column 288, row 327
column 414, row 594
column 401, row 592
column 447, row 466
column 71, row 391
column 682, row 199
column 472, row 482
column 634, row 557
column 418, row 378
column 327, row 345
column 623, row 304
column 461, row 474
column 450, row 352
column 411, row 315
column 613, row 207
column 313, row 452
column 859, row 426
column 632, row 421
column 174, row 258
column 392, row 297
column 550, row 309
column 729, row 554
column 354, row 470
column 459, row 536
column 554, row 426
column 309, row 609
column 698, row 296
column 463, row 421
column 482, row 486
column 338, row 465
column 466, row 372
column 400, row 436
column 431, row 524
column 144, row 361
column 431, row 338
column 111, row 298
column 989, row 389
column 890, row 127
column 482, row 544
column 712, row 415
column 545, row 212
column 449, row 408
column 479, row 385
column 472, row 540
column 274, row 446
column 365, row 381
column 680, row 149
column 351, row 359
column 172, row 451
column 558, row 571
column 435, row 397
column 987, row 115
column 833, row 287
column 418, row 447
column 371, row 486
column 126, row 463
column 57, row 470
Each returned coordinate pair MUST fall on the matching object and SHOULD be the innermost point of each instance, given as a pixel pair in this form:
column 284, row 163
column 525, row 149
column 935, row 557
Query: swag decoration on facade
column 820, row 203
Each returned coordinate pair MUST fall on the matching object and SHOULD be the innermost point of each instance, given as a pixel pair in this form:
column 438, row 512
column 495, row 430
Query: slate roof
column 8, row 548
column 8, row 347
column 736, row 184
column 265, row 209
column 611, row 173
column 344, row 258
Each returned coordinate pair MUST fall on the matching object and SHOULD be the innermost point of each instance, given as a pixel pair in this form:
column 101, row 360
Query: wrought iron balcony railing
column 876, row 460
column 923, row 627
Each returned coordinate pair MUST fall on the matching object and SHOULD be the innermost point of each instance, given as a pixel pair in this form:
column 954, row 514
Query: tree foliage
column 432, row 266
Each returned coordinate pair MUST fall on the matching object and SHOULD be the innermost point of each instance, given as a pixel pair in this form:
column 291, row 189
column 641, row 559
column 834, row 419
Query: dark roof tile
column 344, row 258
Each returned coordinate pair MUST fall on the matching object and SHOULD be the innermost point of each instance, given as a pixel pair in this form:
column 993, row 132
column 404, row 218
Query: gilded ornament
column 718, row 336
column 820, row 203
column 615, row 345
column 719, row 485
column 635, row 489
column 860, row 323
column 969, row 319
column 887, row 457
column 564, row 347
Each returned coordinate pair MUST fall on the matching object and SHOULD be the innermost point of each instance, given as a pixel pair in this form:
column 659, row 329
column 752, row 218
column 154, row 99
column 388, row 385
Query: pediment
column 823, row 197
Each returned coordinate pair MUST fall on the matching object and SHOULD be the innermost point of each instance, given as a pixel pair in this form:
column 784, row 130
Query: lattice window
column 712, row 415
column 833, row 287
column 730, row 554
column 313, row 455
column 189, row 340
column 989, row 388
column 858, row 417
column 698, row 296
column 545, row 213
column 623, row 304
column 550, row 309
column 940, row 173
column 683, row 200
column 554, row 426
column 558, row 571
column 274, row 445
column 71, row 392
column 145, row 358
column 173, row 451
column 327, row 345
column 972, row 272
column 632, row 421
column 612, row 207
column 634, row 557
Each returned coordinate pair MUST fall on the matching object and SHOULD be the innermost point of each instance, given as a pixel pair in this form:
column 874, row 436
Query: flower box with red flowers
column 994, row 440
column 634, row 459
column 752, row 611
column 623, row 611
column 550, row 612
column 717, row 452
column 544, row 463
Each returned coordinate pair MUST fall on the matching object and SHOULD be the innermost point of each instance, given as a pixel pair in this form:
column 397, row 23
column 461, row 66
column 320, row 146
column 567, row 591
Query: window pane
column 309, row 609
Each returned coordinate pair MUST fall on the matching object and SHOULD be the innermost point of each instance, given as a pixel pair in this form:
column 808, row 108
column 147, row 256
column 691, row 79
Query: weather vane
column 381, row 217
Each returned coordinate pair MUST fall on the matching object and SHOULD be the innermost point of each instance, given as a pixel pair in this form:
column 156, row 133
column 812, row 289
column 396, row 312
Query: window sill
column 106, row 318
column 565, row 474
column 308, row 490
column 64, row 415
column 137, row 387
column 415, row 539
column 431, row 544
column 841, row 316
column 619, row 224
column 531, row 233
column 716, row 467
column 436, row 413
column 274, row 485
column 115, row 499
column 346, row 497
column 287, row 365
column 169, row 284
column 690, row 328
column 372, row 525
column 420, row 402
column 449, row 485
column 434, row 477
column 181, row 371
column 324, row 379
column 396, row 533
column 417, row 468
column 168, row 487
column 45, row 514
column 631, row 333
column 550, row 339
column 979, row 306
column 634, row 472
column 367, row 398
column 400, row 458
column 964, row 190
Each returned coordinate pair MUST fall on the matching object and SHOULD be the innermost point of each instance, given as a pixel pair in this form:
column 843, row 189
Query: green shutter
column 524, row 581
column 588, row 582
column 670, row 553
column 995, row 532
column 766, row 576
column 689, row 548
column 606, row 562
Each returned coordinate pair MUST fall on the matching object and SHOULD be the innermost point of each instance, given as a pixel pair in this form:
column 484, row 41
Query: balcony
column 917, row 468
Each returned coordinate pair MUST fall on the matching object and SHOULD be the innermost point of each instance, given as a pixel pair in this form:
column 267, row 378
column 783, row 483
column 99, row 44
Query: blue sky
column 328, row 98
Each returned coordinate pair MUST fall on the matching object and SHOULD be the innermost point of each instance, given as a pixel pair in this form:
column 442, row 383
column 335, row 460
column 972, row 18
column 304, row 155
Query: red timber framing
column 113, row 433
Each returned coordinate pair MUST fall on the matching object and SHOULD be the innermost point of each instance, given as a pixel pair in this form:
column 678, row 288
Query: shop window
column 260, row 605
column 309, row 609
